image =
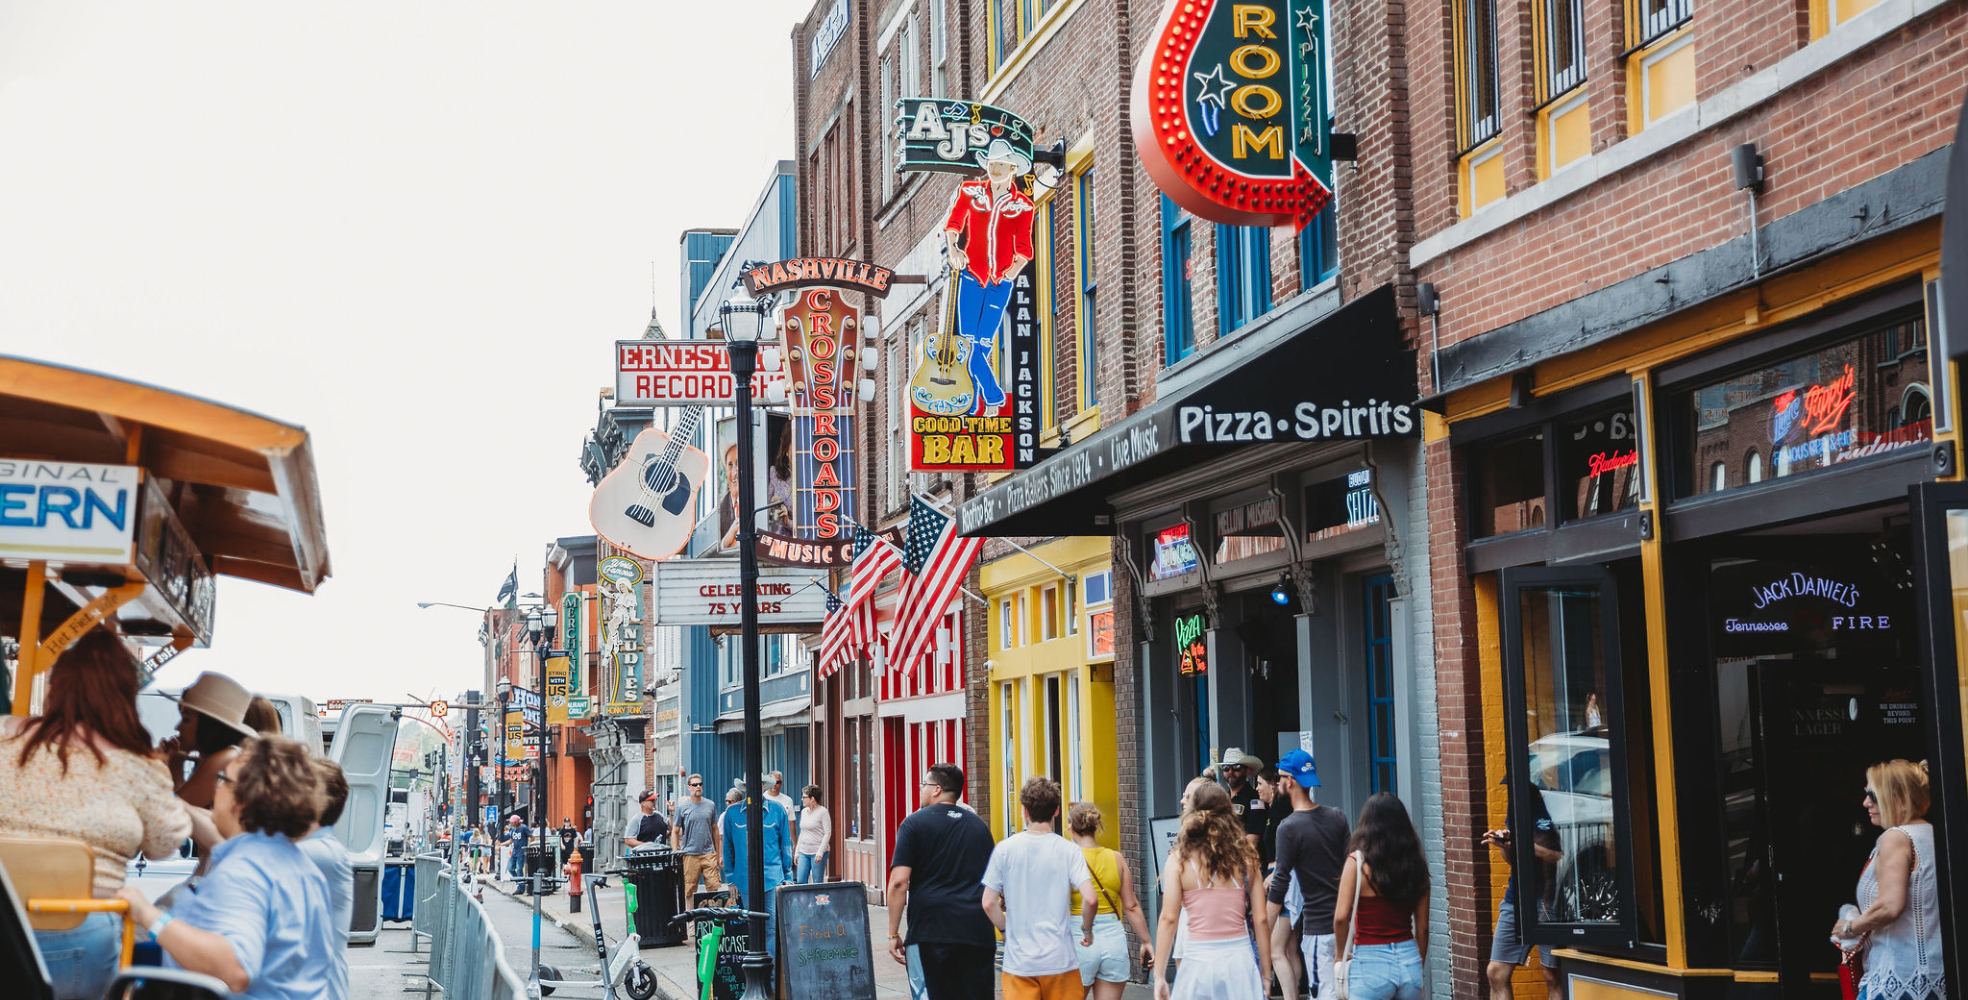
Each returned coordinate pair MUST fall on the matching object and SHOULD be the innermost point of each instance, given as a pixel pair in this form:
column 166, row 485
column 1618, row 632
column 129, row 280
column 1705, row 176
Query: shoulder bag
column 1343, row 966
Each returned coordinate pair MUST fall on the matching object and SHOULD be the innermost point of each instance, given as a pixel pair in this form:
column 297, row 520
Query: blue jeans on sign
column 980, row 311
column 82, row 961
column 810, row 868
column 1385, row 972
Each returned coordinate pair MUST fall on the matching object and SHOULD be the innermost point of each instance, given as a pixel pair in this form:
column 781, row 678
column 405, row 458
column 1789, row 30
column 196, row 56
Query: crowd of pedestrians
column 267, row 911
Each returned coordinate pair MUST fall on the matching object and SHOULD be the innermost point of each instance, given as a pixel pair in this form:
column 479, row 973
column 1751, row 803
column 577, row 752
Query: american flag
column 936, row 558
column 874, row 558
column 833, row 637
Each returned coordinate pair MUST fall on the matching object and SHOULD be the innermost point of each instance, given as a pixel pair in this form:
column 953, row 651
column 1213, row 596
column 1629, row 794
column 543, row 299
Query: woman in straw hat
column 211, row 722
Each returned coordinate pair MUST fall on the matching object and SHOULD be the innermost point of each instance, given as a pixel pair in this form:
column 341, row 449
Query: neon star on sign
column 1230, row 110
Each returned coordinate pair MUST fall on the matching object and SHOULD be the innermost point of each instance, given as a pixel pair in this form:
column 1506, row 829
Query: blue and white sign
column 68, row 512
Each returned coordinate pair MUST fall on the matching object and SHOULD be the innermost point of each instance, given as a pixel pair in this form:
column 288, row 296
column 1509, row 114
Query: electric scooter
column 624, row 968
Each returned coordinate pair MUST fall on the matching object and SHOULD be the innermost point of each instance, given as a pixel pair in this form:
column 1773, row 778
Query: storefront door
column 1940, row 571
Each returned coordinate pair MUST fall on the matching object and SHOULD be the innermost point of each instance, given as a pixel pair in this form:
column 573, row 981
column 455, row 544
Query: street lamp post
column 540, row 625
column 744, row 320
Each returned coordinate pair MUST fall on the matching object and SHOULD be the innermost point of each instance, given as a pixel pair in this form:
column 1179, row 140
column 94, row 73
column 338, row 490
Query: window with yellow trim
column 1044, row 277
column 1085, row 281
column 1828, row 14
column 1661, row 79
column 1477, row 119
column 1012, row 22
column 1564, row 134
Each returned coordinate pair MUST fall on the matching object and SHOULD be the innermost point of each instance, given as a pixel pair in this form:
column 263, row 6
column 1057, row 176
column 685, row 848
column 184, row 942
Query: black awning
column 1345, row 376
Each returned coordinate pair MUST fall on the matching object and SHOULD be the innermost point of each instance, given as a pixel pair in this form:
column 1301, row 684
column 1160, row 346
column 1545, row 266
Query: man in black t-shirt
column 1311, row 845
column 941, row 851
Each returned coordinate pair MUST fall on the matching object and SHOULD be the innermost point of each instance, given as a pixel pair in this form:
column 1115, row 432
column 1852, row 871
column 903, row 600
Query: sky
column 413, row 228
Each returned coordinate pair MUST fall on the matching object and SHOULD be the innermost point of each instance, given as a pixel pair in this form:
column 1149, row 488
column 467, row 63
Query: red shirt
column 993, row 230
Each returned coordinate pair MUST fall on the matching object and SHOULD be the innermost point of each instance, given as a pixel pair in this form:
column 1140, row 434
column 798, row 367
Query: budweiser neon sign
column 1605, row 462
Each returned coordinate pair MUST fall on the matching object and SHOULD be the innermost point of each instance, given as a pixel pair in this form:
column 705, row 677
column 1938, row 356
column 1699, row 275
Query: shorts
column 1058, row 986
column 1107, row 959
column 1318, row 952
column 1506, row 946
column 1385, row 972
column 960, row 971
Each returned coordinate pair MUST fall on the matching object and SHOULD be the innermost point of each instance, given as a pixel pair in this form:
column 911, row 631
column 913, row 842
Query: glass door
column 1940, row 573
column 1568, row 807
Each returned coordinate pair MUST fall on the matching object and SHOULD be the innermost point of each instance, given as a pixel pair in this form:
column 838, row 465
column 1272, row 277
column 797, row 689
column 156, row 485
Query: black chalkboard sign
column 728, row 978
column 824, row 950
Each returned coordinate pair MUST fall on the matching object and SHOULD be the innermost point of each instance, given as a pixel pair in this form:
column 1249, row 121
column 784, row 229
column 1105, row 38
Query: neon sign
column 1604, row 462
column 1174, row 553
column 1815, row 410
column 1192, row 650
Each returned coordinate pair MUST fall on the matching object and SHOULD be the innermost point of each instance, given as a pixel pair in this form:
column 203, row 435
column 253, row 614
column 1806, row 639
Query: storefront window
column 1339, row 505
column 1172, row 553
column 1852, row 400
column 1510, row 485
column 1248, row 530
column 1599, row 464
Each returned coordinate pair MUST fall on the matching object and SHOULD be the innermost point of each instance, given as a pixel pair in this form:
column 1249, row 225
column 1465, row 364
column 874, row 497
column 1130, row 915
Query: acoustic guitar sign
column 1230, row 110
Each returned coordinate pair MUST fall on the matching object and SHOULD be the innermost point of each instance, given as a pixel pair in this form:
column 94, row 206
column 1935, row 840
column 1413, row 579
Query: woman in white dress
column 1214, row 886
column 1898, row 928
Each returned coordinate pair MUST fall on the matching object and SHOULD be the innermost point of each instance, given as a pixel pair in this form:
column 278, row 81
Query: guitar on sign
column 942, row 384
column 645, row 503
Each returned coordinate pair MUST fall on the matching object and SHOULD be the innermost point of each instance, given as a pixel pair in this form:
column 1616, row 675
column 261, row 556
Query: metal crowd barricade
column 468, row 962
column 431, row 870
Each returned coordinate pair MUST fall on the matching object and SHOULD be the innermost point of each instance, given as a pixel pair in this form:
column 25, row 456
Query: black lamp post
column 743, row 319
column 541, row 623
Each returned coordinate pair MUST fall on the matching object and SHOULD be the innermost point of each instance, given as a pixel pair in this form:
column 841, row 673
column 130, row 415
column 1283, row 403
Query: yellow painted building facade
column 1051, row 668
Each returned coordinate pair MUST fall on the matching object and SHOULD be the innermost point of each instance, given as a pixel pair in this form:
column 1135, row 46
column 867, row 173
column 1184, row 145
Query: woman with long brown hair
column 1213, row 883
column 82, row 770
column 1381, row 918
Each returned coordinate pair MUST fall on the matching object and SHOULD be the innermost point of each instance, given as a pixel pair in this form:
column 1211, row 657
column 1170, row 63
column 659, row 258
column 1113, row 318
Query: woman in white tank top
column 1899, row 921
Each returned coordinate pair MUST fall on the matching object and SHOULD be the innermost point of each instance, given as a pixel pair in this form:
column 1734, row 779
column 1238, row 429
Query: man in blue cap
column 1311, row 846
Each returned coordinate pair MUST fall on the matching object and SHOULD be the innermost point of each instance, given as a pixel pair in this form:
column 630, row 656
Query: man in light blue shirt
column 778, row 852
column 259, row 920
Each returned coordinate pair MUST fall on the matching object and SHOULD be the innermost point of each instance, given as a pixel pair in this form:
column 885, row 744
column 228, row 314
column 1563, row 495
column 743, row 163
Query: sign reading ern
column 680, row 373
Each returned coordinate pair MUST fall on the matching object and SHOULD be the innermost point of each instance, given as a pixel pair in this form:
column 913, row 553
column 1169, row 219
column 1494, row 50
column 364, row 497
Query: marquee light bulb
column 867, row 387
column 769, row 359
column 775, row 393
column 868, row 361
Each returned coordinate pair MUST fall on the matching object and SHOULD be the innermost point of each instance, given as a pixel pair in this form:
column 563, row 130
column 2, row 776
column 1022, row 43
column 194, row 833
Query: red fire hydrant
column 572, row 869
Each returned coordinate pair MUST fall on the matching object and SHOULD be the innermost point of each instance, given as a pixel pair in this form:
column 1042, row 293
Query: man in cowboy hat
column 211, row 720
column 989, row 234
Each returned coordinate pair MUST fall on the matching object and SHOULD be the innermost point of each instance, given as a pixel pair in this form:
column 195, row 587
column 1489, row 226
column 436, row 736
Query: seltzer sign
column 707, row 592
column 68, row 512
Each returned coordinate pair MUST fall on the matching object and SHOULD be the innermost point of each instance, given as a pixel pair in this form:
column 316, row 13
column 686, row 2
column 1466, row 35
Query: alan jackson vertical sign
column 1230, row 110
column 973, row 400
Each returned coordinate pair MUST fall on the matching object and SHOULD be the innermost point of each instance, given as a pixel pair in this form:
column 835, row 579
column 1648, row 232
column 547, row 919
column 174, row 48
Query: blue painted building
column 710, row 696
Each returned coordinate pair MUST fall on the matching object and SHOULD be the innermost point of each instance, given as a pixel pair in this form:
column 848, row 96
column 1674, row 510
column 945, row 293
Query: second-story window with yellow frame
column 1478, row 116
column 1085, row 281
column 1012, row 22
column 1044, row 278
column 1564, row 131
column 1660, row 60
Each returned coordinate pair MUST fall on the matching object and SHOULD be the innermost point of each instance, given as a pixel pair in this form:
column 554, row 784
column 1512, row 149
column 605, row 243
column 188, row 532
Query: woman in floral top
column 82, row 770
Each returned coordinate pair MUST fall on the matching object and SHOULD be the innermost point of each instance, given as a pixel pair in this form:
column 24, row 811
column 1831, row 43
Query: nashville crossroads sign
column 1230, row 110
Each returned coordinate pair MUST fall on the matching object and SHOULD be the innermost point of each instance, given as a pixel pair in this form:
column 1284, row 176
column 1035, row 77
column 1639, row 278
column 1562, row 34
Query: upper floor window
column 1046, row 277
column 1086, row 281
column 1243, row 275
column 1477, row 119
column 1318, row 247
column 1178, row 305
column 939, row 50
column 1649, row 21
column 1558, row 47
column 1014, row 21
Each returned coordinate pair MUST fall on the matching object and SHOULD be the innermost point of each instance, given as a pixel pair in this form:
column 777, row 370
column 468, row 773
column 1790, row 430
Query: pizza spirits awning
column 1345, row 376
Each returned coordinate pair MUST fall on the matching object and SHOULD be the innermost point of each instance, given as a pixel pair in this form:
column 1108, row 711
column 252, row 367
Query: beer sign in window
column 1856, row 399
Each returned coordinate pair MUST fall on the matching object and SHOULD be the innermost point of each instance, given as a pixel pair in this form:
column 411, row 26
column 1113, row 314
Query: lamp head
column 743, row 318
column 1281, row 594
column 550, row 618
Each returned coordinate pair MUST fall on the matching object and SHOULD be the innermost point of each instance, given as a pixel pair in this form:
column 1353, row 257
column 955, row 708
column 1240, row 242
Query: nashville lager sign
column 1230, row 110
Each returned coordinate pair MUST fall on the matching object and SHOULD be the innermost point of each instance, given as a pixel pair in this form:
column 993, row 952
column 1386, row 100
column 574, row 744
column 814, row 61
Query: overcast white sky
column 413, row 227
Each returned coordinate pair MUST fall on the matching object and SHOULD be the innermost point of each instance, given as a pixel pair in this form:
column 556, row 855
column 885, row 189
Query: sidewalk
column 676, row 966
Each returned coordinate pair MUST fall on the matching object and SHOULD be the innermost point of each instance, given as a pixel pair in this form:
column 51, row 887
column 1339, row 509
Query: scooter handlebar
column 718, row 913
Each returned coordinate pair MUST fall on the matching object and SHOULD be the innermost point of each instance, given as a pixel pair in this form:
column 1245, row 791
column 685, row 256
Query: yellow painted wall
column 1034, row 660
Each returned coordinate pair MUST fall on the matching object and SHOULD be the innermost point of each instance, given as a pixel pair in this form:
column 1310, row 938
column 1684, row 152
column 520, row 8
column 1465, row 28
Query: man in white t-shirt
column 1033, row 874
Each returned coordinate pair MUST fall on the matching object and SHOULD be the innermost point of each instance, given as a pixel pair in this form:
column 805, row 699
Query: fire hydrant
column 572, row 869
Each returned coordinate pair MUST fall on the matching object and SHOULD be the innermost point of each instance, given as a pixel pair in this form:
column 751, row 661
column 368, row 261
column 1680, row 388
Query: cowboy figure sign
column 989, row 234
column 1230, row 110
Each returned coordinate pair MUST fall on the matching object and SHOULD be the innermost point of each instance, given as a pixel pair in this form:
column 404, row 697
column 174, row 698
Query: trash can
column 539, row 859
column 399, row 889
column 657, row 880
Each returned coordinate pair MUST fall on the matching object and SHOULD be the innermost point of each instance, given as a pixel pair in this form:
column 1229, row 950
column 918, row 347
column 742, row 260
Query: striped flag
column 936, row 558
column 834, row 649
column 874, row 558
